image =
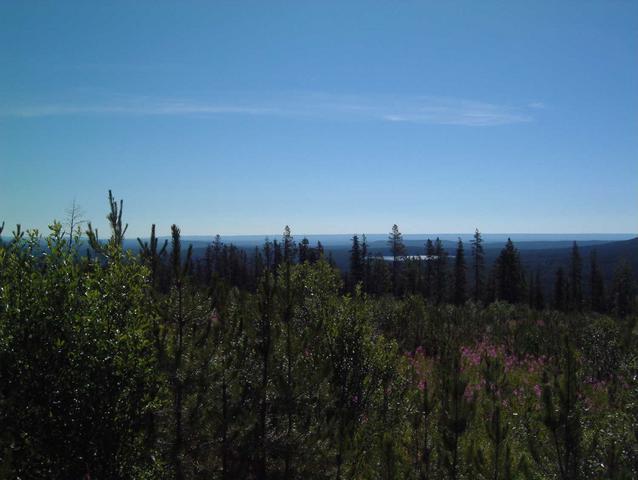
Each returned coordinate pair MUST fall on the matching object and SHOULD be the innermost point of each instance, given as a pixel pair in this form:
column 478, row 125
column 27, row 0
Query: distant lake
column 388, row 258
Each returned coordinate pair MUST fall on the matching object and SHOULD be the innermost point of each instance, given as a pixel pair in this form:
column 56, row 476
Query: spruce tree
column 622, row 294
column 459, row 275
column 277, row 255
column 509, row 275
column 365, row 261
column 356, row 262
column 289, row 247
column 397, row 249
column 258, row 267
column 268, row 252
column 562, row 412
column 597, row 285
column 576, row 280
column 478, row 267
column 287, row 304
column 531, row 291
column 539, row 300
column 560, row 291
column 304, row 250
column 428, row 283
column 440, row 272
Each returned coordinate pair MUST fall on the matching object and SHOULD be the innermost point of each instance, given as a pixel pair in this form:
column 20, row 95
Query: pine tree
column 560, row 291
column 455, row 413
column 428, row 283
column 289, row 246
column 576, row 280
column 365, row 261
column 493, row 458
column 597, row 285
column 509, row 275
column 117, row 229
column 264, row 349
column 216, row 258
column 622, row 294
column 286, row 301
column 150, row 254
column 563, row 420
column 179, row 273
column 268, row 254
column 258, row 267
column 539, row 300
column 478, row 267
column 440, row 272
column 531, row 291
column 304, row 250
column 397, row 249
column 74, row 221
column 277, row 255
column 356, row 262
column 459, row 275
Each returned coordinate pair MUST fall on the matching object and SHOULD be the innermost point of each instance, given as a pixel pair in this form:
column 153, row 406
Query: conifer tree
column 304, row 250
column 478, row 267
column 289, row 247
column 563, row 420
column 258, row 267
column 268, row 254
column 264, row 347
column 150, row 254
column 560, row 291
column 428, row 282
column 277, row 255
column 179, row 272
column 365, row 262
column 576, row 280
column 117, row 229
column 286, row 294
column 495, row 461
column 440, row 272
column 356, row 262
column 509, row 274
column 455, row 413
column 397, row 249
column 74, row 221
column 622, row 294
column 539, row 300
column 597, row 285
column 459, row 275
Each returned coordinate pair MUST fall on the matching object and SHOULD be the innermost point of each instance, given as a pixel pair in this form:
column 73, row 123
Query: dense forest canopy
column 275, row 364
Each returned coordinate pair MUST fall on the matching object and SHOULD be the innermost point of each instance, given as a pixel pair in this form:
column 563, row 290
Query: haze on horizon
column 241, row 118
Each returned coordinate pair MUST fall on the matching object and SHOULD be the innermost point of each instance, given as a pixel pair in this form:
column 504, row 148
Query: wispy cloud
column 383, row 108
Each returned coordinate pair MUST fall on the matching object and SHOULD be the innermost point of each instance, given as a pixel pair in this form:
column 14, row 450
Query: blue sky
column 333, row 117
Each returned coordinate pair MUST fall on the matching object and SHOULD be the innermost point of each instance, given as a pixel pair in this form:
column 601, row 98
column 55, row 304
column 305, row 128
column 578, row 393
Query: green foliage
column 76, row 366
column 508, row 274
column 159, row 366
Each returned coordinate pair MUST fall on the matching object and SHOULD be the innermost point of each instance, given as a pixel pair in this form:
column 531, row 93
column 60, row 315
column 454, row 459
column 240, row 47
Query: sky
column 331, row 117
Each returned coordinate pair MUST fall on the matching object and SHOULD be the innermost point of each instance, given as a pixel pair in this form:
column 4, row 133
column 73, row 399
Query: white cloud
column 417, row 109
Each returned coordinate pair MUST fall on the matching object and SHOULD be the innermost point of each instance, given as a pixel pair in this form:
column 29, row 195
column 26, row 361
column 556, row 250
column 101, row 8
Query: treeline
column 433, row 274
column 116, row 364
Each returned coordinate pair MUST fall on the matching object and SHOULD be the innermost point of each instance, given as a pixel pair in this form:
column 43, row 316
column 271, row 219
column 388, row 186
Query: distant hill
column 610, row 255
column 538, row 253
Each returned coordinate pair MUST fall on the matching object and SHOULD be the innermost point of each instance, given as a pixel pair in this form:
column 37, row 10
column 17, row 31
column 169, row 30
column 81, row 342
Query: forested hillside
column 277, row 365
